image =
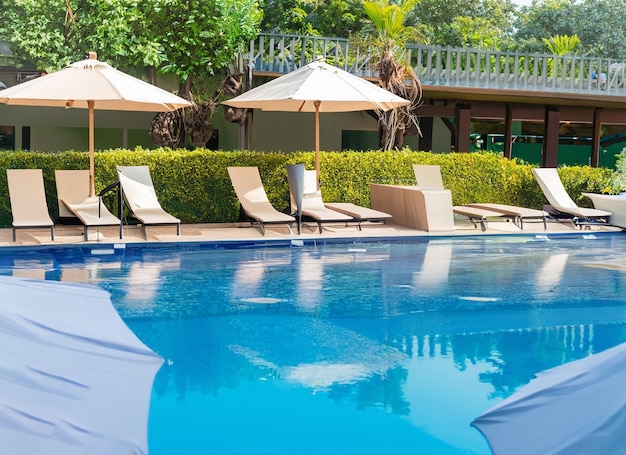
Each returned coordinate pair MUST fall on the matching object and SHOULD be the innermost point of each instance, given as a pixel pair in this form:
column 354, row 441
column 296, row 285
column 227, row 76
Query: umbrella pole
column 92, row 165
column 317, row 142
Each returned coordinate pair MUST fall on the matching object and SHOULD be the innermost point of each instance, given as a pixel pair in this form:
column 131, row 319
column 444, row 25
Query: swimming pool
column 369, row 348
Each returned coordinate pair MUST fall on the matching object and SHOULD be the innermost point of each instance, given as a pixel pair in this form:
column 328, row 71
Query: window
column 7, row 138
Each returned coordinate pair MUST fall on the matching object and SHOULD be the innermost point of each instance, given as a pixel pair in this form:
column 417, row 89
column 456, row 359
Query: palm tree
column 391, row 35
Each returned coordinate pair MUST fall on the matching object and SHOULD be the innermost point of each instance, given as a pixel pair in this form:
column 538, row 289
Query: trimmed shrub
column 194, row 185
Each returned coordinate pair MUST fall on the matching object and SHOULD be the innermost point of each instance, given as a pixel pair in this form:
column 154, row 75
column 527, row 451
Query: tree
column 332, row 18
column 286, row 16
column 197, row 38
column 598, row 24
column 543, row 20
column 388, row 22
column 190, row 38
column 601, row 28
column 484, row 24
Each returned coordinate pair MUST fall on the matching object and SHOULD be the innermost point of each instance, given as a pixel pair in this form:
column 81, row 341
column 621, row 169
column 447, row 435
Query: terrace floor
column 71, row 234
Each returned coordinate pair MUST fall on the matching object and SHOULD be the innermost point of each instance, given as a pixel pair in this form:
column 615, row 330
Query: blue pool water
column 341, row 348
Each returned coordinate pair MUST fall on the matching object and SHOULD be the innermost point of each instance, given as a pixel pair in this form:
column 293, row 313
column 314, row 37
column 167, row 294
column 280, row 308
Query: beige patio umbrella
column 75, row 379
column 575, row 408
column 92, row 84
column 318, row 87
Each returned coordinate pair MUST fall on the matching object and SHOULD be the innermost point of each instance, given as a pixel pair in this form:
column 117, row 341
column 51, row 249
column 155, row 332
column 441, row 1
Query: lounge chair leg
column 178, row 229
column 52, row 233
column 85, row 233
column 14, row 235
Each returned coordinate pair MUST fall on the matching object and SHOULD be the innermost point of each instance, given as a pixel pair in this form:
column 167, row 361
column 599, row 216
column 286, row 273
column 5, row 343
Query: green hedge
column 194, row 185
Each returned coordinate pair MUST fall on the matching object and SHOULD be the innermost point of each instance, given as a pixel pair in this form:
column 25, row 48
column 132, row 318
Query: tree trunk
column 402, row 81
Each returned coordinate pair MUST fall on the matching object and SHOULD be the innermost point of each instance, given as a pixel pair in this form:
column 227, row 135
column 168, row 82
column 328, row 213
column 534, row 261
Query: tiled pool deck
column 70, row 234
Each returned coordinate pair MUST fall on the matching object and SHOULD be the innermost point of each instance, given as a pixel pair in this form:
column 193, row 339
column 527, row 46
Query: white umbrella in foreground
column 74, row 379
column 92, row 84
column 576, row 408
column 318, row 87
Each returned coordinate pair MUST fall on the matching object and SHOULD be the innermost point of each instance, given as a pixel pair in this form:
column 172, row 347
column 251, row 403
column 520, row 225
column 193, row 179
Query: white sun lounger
column 314, row 207
column 139, row 194
column 560, row 202
column 28, row 200
column 248, row 186
column 74, row 201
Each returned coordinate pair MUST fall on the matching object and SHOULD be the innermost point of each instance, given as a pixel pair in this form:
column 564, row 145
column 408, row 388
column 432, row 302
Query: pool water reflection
column 352, row 348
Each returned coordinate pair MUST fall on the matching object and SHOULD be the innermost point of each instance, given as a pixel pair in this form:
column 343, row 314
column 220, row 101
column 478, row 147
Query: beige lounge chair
column 358, row 212
column 248, row 186
column 138, row 192
column 476, row 215
column 560, row 202
column 517, row 214
column 429, row 176
column 28, row 200
column 75, row 202
column 313, row 205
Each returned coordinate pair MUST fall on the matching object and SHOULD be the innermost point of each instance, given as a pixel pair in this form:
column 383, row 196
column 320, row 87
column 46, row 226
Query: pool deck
column 244, row 232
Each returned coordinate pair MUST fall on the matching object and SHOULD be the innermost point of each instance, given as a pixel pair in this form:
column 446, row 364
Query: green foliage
column 487, row 24
column 202, row 36
column 388, row 27
column 597, row 23
column 37, row 32
column 584, row 179
column 51, row 34
column 194, row 185
column 185, row 37
column 618, row 180
column 601, row 27
column 562, row 44
column 333, row 18
column 545, row 19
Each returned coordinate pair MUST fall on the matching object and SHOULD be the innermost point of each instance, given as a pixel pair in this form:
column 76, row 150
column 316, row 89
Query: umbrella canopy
column 92, row 84
column 578, row 407
column 75, row 379
column 318, row 87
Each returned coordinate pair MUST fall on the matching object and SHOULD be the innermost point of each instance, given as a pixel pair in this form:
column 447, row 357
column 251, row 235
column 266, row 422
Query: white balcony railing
column 447, row 66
